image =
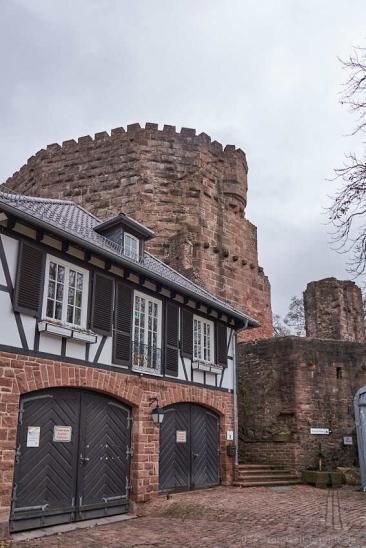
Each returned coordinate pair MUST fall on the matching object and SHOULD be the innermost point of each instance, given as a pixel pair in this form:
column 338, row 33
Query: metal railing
column 146, row 358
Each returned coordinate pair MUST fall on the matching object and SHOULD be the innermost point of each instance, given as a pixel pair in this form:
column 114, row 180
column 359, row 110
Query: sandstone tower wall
column 189, row 190
column 333, row 310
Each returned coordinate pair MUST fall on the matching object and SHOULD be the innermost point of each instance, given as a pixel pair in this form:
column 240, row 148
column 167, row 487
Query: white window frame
column 84, row 304
column 204, row 321
column 133, row 238
column 153, row 300
column 158, row 302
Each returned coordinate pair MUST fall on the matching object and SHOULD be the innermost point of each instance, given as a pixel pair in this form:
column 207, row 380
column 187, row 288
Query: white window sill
column 61, row 330
column 207, row 367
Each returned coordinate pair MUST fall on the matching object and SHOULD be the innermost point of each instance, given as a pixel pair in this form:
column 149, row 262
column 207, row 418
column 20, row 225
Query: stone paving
column 233, row 517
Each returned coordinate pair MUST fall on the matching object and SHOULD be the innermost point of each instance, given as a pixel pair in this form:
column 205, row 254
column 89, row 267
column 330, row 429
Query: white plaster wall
column 11, row 253
column 75, row 349
column 50, row 344
column 29, row 326
column 9, row 335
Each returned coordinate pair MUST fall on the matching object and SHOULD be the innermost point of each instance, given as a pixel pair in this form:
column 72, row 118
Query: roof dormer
column 127, row 233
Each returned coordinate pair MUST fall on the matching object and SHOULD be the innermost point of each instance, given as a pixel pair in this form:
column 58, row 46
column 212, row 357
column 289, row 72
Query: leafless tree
column 279, row 328
column 348, row 210
column 294, row 321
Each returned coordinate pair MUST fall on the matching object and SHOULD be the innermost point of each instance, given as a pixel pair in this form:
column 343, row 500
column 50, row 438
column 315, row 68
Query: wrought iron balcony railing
column 146, row 358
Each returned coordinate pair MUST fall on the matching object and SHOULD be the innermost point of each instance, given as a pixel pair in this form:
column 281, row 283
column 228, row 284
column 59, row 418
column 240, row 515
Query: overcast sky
column 262, row 75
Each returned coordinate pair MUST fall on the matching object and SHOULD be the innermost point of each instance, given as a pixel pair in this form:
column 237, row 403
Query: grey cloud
column 261, row 75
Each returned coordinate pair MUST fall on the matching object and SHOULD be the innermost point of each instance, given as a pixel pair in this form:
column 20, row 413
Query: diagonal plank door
column 45, row 471
column 72, row 460
column 189, row 448
column 104, row 457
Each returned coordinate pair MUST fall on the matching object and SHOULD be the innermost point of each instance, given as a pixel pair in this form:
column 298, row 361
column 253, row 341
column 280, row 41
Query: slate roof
column 75, row 223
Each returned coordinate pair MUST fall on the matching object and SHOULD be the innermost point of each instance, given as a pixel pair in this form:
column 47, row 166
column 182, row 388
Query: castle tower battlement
column 190, row 190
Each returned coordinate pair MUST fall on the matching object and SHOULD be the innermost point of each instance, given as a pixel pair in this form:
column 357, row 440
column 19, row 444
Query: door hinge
column 129, row 451
column 17, row 454
column 21, row 412
column 129, row 421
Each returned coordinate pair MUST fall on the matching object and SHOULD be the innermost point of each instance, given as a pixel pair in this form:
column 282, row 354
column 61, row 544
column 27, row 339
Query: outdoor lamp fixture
column 157, row 413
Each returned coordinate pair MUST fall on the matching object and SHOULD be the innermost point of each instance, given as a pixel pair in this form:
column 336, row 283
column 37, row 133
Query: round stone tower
column 189, row 190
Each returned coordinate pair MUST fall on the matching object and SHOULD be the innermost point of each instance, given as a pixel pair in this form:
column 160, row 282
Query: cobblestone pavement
column 233, row 517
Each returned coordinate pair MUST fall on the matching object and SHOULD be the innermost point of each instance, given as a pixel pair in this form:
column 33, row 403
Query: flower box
column 201, row 365
column 69, row 332
column 54, row 329
column 84, row 336
column 216, row 369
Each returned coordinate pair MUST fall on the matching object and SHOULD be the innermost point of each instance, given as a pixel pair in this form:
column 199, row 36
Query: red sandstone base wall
column 275, row 453
column 21, row 374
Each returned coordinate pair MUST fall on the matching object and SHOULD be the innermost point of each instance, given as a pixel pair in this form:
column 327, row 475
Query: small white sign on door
column 33, row 434
column 181, row 436
column 229, row 435
column 347, row 440
column 62, row 433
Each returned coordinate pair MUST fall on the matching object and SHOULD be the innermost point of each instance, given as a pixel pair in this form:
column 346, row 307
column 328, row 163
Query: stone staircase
column 263, row 475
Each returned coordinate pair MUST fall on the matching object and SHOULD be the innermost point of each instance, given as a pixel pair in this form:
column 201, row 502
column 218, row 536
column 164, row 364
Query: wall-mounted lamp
column 157, row 413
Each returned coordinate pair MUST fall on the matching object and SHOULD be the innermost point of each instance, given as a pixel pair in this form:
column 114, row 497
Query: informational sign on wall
column 181, row 436
column 33, row 434
column 229, row 435
column 62, row 433
column 321, row 431
column 347, row 440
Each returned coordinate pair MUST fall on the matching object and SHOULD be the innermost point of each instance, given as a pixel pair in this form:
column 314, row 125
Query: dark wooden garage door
column 72, row 459
column 189, row 448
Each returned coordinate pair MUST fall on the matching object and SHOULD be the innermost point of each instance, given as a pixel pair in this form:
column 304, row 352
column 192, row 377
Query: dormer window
column 129, row 235
column 131, row 247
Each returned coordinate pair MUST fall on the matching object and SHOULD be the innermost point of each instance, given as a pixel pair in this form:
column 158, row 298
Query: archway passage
column 72, row 459
column 189, row 448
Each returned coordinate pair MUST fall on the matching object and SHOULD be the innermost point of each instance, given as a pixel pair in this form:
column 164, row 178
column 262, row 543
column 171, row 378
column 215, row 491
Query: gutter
column 246, row 321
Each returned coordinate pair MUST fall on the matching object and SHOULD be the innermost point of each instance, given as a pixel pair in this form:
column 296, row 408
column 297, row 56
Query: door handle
column 195, row 455
column 84, row 460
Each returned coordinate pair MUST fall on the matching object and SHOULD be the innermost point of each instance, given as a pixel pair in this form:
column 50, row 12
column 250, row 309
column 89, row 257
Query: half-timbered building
column 118, row 375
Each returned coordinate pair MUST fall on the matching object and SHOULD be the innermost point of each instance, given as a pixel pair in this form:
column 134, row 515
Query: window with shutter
column 122, row 333
column 187, row 333
column 29, row 280
column 221, row 344
column 171, row 339
column 101, row 317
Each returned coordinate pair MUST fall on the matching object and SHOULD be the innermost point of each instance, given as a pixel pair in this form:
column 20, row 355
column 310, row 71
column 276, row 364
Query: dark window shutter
column 122, row 325
column 171, row 339
column 29, row 280
column 102, row 305
column 221, row 344
column 187, row 333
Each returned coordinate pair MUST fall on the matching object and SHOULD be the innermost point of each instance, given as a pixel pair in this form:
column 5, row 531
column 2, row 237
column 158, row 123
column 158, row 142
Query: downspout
column 235, row 398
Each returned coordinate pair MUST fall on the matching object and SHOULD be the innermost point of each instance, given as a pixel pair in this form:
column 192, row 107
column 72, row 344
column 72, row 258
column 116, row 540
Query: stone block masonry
column 20, row 374
column 189, row 190
column 288, row 385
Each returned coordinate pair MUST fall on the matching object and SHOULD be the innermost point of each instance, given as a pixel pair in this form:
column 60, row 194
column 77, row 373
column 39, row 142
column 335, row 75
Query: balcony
column 146, row 359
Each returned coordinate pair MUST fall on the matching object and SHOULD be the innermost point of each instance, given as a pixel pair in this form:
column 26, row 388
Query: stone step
column 266, row 483
column 256, row 471
column 250, row 465
column 267, row 477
